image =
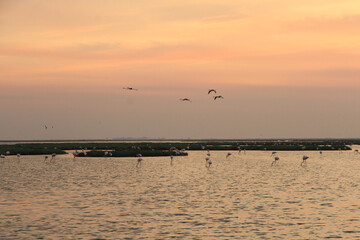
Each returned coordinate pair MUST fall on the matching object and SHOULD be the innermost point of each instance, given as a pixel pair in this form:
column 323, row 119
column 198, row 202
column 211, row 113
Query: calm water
column 241, row 197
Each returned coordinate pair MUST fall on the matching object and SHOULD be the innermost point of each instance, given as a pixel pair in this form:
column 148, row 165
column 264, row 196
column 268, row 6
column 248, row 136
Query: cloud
column 198, row 12
column 105, row 51
column 344, row 24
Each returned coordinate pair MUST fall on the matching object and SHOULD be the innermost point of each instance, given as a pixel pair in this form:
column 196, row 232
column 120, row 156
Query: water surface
column 241, row 197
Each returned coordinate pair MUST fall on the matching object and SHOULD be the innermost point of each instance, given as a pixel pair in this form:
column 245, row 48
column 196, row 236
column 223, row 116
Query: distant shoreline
column 180, row 140
column 161, row 148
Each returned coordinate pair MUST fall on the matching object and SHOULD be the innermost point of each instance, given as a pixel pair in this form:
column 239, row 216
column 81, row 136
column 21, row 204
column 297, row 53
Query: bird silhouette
column 211, row 90
column 304, row 160
column 130, row 89
column 185, row 99
column 276, row 159
column 216, row 97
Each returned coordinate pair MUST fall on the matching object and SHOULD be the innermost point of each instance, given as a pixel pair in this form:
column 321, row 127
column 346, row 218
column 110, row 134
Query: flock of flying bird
column 181, row 99
column 210, row 91
column 184, row 99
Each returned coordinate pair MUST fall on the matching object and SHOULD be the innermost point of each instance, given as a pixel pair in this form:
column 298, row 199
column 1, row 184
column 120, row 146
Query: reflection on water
column 241, row 197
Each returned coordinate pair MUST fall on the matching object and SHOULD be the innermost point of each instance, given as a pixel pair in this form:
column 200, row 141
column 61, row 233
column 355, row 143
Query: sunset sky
column 285, row 69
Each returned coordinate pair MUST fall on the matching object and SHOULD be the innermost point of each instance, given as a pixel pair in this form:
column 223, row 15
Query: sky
column 286, row 69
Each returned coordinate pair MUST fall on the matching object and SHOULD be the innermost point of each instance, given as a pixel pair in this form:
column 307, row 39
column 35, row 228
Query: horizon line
column 143, row 139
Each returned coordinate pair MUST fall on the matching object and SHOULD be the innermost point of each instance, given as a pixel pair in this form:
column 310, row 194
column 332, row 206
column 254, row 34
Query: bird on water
column 304, row 160
column 276, row 159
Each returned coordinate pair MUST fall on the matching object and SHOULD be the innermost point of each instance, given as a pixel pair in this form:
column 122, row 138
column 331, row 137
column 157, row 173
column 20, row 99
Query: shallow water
column 241, row 197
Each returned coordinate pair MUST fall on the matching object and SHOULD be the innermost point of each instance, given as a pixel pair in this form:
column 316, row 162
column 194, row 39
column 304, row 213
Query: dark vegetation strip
column 132, row 153
column 127, row 149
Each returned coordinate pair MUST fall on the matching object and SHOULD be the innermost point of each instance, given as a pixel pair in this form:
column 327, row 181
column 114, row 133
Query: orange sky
column 176, row 47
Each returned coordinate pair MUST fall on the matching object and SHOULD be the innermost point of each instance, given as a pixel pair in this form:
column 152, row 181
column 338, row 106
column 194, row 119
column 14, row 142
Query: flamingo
column 304, row 160
column 53, row 156
column 139, row 162
column 276, row 159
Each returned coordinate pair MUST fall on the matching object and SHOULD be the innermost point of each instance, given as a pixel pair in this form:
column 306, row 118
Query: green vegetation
column 130, row 149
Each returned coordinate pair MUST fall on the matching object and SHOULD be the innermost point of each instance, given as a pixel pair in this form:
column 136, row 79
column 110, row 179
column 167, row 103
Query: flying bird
column 211, row 90
column 130, row 89
column 45, row 127
column 216, row 97
column 185, row 99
